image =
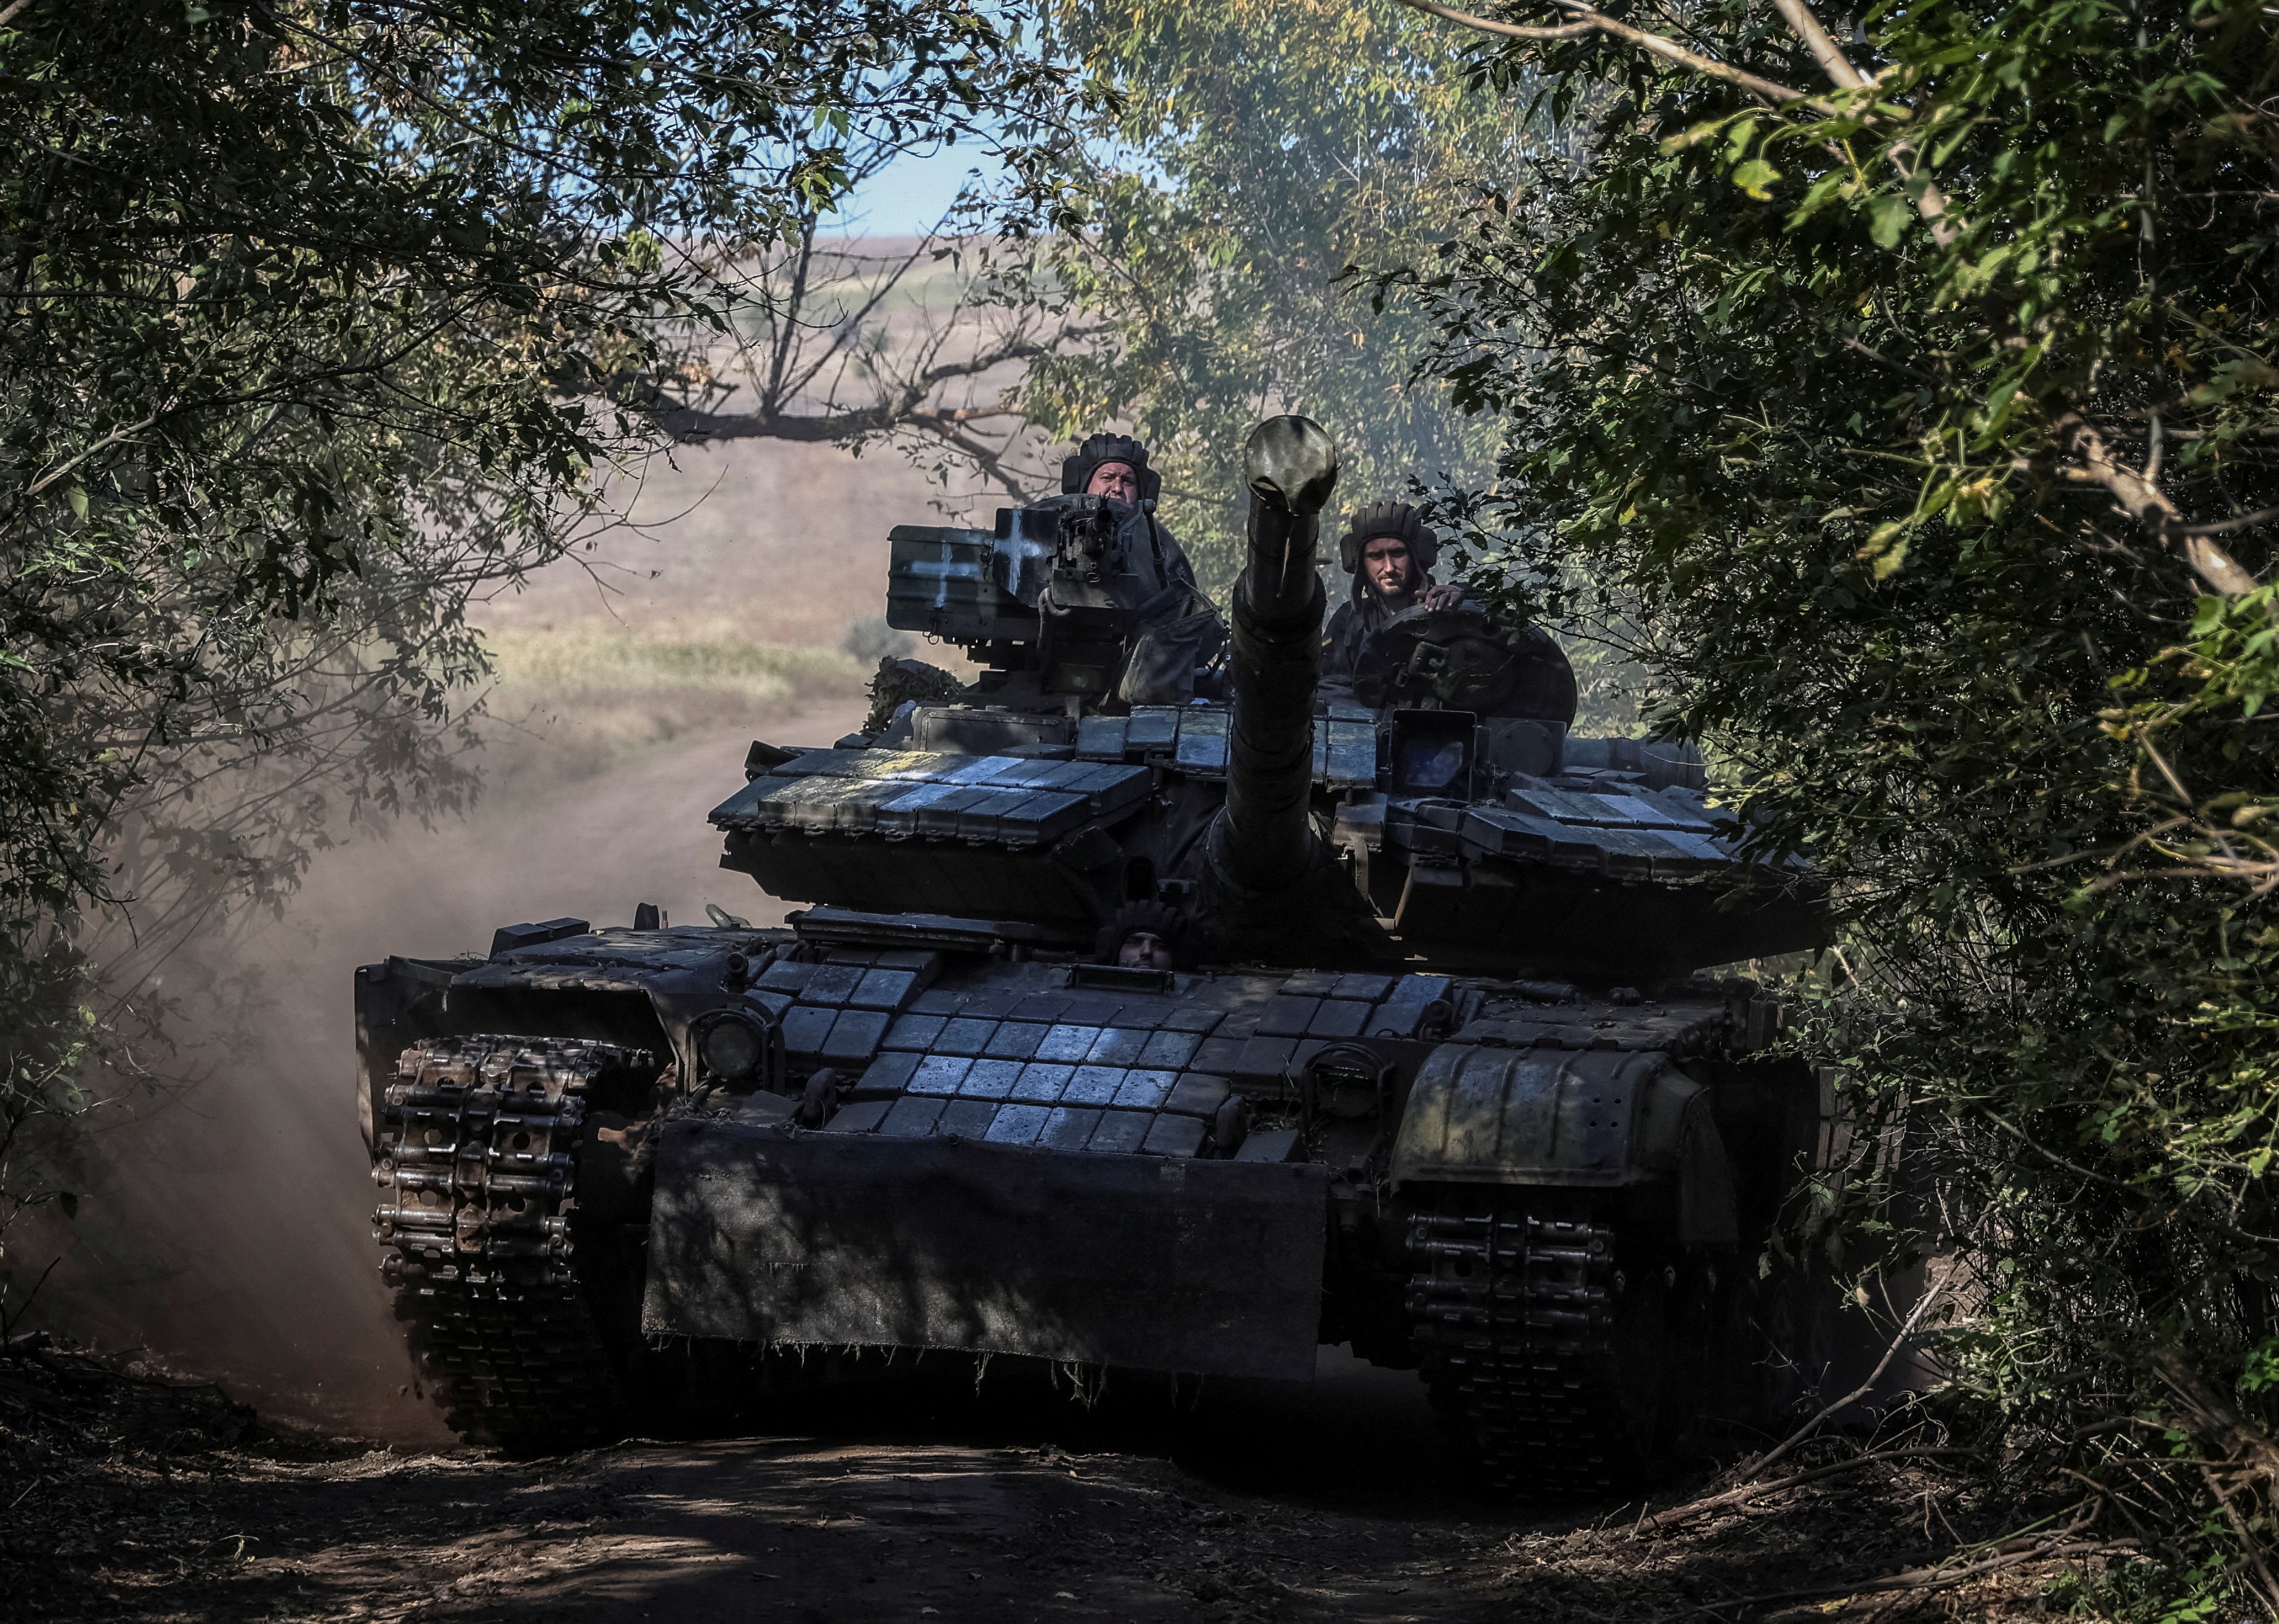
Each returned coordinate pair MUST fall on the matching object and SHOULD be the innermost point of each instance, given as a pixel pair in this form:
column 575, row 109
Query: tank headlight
column 1346, row 1092
column 734, row 1046
column 1345, row 1080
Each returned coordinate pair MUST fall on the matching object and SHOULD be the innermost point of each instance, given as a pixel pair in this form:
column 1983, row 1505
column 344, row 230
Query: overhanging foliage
column 1913, row 396
column 305, row 306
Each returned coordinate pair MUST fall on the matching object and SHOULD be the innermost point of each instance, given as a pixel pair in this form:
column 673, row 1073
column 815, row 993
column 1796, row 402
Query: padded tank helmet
column 1167, row 924
column 1076, row 471
column 1388, row 518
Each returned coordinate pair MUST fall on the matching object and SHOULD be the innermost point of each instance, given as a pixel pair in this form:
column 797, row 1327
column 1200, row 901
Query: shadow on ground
column 917, row 1498
column 1358, row 1440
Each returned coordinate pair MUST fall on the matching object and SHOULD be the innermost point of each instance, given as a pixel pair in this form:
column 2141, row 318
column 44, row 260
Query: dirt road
column 919, row 1499
column 227, row 1228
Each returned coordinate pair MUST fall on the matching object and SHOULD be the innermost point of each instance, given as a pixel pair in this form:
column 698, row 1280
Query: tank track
column 1516, row 1333
column 477, row 1159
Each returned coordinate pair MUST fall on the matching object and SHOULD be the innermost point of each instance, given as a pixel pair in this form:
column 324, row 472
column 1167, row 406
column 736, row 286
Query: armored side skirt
column 1144, row 1262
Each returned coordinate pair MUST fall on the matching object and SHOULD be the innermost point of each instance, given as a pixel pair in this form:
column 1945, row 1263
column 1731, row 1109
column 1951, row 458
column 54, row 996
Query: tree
column 304, row 308
column 1236, row 174
column 1911, row 397
column 850, row 340
column 1257, row 158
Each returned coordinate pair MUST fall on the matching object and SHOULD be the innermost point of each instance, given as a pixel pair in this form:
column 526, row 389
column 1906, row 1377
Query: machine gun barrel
column 1262, row 840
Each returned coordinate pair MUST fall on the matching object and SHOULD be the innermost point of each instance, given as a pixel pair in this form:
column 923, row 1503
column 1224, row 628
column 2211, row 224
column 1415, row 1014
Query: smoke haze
column 226, row 1228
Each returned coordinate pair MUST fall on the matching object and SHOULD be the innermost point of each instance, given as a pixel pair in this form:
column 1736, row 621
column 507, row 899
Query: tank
column 1434, row 1071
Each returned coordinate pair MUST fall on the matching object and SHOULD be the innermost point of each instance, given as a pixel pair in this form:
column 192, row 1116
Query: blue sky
column 908, row 196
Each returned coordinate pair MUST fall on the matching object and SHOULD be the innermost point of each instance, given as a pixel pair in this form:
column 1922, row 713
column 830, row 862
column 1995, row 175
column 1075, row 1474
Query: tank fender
column 1588, row 1119
column 1679, row 1135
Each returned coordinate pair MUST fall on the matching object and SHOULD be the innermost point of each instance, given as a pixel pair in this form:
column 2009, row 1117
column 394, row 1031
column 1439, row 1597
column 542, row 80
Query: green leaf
column 1886, row 548
column 1888, row 214
column 1756, row 178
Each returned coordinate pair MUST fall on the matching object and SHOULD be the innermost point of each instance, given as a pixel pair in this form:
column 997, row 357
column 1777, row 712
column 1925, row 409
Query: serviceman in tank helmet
column 1114, row 466
column 1179, row 630
column 1143, row 935
column 1389, row 551
column 1177, row 641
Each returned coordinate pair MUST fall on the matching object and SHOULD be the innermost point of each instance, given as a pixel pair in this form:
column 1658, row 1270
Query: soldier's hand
column 1292, row 463
column 1450, row 596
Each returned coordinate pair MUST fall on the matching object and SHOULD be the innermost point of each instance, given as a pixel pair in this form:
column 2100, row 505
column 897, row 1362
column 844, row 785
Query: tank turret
column 1435, row 808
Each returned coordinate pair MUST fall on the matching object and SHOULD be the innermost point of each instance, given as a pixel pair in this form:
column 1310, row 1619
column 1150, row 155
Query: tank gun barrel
column 1262, row 840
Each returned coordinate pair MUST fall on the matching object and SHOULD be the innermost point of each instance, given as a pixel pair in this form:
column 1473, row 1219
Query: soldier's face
column 1385, row 560
column 1116, row 481
column 1144, row 950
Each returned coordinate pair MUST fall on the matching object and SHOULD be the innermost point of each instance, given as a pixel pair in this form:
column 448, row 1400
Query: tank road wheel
column 477, row 1161
column 1547, row 1350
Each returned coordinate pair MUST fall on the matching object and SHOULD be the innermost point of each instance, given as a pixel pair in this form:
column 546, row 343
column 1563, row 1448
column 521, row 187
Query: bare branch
column 1927, row 1578
column 692, row 425
column 1692, row 1509
column 2261, row 516
column 2247, row 1541
column 8, row 15
column 1899, row 1340
column 1824, row 50
column 990, row 460
column 1875, row 355
column 1517, row 31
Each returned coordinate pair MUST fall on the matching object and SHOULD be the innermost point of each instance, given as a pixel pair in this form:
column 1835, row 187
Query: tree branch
column 1824, row 50
column 1899, row 1341
column 1692, row 1509
column 2261, row 516
column 694, row 426
column 989, row 460
column 1925, row 1578
column 1930, row 203
column 2247, row 1540
column 691, row 424
column 1589, row 21
column 1517, row 31
column 105, row 443
column 2146, row 502
column 8, row 15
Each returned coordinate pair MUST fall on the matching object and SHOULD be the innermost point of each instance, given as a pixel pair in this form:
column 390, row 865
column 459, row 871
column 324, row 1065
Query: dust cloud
column 226, row 1228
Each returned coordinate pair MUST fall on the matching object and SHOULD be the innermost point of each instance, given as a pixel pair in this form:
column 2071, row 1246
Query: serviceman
column 1389, row 551
column 1142, row 936
column 1180, row 631
column 1150, row 563
column 1117, row 465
